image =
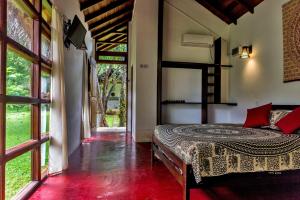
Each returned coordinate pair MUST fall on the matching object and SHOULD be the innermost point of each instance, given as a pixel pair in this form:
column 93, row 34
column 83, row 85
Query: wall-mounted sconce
column 245, row 52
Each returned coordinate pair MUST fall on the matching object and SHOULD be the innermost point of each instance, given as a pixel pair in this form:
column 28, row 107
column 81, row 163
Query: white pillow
column 275, row 116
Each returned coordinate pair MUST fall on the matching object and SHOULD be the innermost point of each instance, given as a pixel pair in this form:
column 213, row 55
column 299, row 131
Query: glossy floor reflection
column 111, row 167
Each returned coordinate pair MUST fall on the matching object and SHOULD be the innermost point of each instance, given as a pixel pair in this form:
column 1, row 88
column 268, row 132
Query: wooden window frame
column 34, row 144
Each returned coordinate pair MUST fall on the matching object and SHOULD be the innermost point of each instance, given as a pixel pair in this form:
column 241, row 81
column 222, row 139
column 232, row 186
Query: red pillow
column 257, row 117
column 290, row 123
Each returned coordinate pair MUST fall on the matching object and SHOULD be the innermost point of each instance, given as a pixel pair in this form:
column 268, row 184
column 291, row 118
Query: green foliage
column 18, row 174
column 18, row 127
column 18, row 78
column 18, row 171
column 119, row 48
column 18, row 75
column 114, row 72
column 115, row 58
column 112, row 120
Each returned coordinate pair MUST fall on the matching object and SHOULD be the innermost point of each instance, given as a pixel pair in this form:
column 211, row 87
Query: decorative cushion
column 259, row 116
column 290, row 123
column 275, row 116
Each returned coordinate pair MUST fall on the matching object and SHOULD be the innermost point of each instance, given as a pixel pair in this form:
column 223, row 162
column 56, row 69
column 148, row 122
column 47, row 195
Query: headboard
column 285, row 107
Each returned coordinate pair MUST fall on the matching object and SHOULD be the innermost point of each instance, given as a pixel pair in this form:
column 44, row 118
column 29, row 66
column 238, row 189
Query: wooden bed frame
column 184, row 173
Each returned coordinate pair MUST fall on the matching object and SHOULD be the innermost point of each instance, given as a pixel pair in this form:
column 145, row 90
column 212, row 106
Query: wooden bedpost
column 186, row 182
column 152, row 154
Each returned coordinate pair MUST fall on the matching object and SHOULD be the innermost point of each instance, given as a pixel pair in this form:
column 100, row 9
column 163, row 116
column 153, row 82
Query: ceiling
column 108, row 21
column 229, row 10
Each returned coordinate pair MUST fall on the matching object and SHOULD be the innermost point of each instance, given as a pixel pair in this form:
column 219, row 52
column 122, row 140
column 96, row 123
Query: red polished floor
column 107, row 167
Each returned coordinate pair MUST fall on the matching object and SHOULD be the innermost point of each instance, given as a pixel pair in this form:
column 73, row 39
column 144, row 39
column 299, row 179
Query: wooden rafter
column 111, row 26
column 111, row 62
column 106, row 47
column 216, row 8
column 106, row 30
column 120, row 33
column 231, row 6
column 110, row 42
column 113, row 38
column 111, row 53
column 247, row 5
column 126, row 10
column 126, row 16
column 89, row 3
column 105, row 9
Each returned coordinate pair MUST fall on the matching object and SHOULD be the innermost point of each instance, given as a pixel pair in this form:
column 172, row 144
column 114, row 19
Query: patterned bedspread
column 217, row 149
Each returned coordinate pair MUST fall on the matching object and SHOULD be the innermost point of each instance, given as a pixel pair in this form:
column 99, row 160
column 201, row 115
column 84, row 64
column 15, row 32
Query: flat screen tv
column 76, row 33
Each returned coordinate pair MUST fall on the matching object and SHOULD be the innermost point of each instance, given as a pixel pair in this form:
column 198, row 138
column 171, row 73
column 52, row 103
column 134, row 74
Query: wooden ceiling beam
column 110, row 42
column 109, row 29
column 111, row 53
column 247, row 5
column 119, row 33
column 106, row 47
column 105, row 9
column 121, row 21
column 231, row 6
column 216, row 9
column 89, row 3
column 111, row 62
column 113, row 38
column 126, row 11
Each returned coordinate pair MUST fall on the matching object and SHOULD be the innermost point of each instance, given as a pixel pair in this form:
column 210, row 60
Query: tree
column 108, row 77
column 18, row 69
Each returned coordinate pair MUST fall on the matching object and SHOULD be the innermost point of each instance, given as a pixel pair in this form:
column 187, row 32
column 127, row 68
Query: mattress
column 218, row 149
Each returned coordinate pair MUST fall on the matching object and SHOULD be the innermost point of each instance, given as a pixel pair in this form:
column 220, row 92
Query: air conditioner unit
column 197, row 40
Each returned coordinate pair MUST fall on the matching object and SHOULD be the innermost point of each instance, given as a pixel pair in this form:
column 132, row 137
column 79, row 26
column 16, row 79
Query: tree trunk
column 123, row 108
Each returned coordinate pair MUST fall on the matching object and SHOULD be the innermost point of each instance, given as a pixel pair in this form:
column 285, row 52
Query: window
column 18, row 75
column 19, row 24
column 25, row 89
column 45, row 85
column 18, row 124
column 17, row 177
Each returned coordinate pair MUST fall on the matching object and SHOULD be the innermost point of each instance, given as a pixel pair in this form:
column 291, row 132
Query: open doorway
column 112, row 87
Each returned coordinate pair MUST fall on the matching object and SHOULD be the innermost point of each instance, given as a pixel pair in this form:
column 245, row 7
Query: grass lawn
column 18, row 171
column 112, row 120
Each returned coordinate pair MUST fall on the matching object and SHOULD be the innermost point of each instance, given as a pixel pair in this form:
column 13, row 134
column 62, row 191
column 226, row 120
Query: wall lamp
column 244, row 52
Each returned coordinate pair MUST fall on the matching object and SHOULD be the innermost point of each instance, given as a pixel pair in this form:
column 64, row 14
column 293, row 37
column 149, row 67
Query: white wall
column 252, row 82
column 73, row 76
column 259, row 80
column 144, row 52
column 181, row 17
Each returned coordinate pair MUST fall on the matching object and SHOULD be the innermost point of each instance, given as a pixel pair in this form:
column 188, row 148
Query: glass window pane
column 18, row 124
column 17, row 175
column 19, row 24
column 46, row 11
column 45, row 118
column 116, row 58
column 44, row 158
column 46, row 48
column 18, row 75
column 45, row 85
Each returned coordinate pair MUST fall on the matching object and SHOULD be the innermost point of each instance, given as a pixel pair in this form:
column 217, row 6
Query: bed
column 195, row 154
